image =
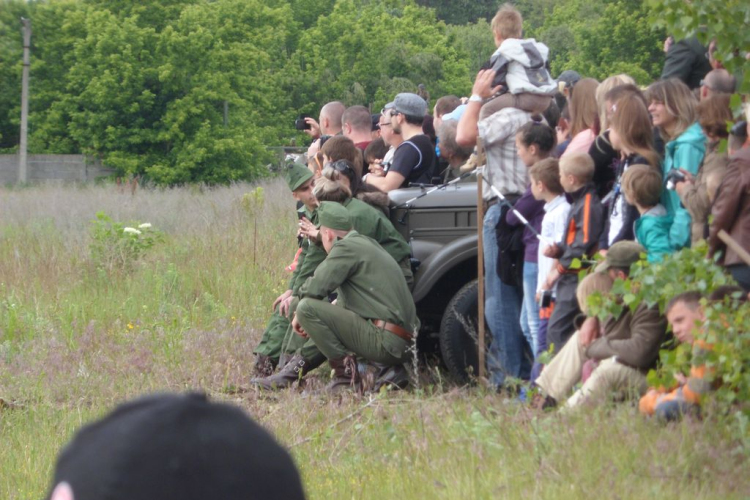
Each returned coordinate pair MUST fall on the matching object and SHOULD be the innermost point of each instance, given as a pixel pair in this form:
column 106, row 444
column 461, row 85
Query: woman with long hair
column 584, row 117
column 673, row 112
column 631, row 134
column 601, row 151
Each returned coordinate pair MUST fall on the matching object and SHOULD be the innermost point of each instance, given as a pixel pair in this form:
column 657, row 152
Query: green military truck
column 441, row 228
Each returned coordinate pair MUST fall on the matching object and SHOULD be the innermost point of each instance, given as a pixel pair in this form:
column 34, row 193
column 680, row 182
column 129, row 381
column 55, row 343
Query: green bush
column 727, row 326
column 115, row 246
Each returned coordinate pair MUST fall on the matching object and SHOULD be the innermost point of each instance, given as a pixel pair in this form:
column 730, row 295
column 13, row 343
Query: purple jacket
column 533, row 210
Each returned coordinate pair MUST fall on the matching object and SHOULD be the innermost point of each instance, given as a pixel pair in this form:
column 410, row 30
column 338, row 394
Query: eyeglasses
column 394, row 112
column 385, row 125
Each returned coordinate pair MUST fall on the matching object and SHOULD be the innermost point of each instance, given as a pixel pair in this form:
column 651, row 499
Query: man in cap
column 374, row 316
column 414, row 159
column 300, row 181
column 625, row 347
column 175, row 447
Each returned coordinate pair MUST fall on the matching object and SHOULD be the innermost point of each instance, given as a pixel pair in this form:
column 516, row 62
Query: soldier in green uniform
column 374, row 316
column 367, row 221
column 300, row 181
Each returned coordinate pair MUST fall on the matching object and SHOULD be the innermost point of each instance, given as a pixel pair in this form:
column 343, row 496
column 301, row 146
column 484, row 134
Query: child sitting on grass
column 545, row 186
column 583, row 228
column 642, row 188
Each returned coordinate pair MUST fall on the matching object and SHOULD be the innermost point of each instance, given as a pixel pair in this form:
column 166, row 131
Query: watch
column 475, row 98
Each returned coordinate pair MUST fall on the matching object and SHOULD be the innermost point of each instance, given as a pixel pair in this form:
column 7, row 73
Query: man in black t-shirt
column 414, row 159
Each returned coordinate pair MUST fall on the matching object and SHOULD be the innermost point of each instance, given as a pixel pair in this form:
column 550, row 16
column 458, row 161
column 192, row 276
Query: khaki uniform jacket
column 371, row 222
column 634, row 338
column 368, row 282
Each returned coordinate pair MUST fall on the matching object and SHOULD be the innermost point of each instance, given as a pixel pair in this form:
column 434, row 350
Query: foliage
column 459, row 12
column 600, row 39
column 726, row 22
column 364, row 51
column 728, row 326
column 116, row 247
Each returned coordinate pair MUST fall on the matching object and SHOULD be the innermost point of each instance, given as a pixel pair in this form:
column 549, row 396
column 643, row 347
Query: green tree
column 11, row 51
column 371, row 50
column 725, row 21
column 460, row 12
column 600, row 39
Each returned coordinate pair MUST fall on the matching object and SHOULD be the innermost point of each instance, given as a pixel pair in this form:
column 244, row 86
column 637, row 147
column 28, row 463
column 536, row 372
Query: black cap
column 375, row 122
column 177, row 447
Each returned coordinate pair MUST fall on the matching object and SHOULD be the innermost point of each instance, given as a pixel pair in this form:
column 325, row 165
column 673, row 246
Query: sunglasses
column 341, row 166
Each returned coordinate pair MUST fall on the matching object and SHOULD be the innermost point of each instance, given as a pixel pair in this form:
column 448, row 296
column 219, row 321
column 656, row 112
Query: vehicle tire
column 458, row 334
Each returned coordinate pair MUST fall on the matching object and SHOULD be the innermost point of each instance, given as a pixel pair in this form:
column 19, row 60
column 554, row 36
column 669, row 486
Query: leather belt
column 393, row 328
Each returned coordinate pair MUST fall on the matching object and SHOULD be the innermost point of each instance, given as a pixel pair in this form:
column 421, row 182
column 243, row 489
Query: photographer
column 329, row 124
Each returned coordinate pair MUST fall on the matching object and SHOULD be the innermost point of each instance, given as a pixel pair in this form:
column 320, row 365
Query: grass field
column 78, row 335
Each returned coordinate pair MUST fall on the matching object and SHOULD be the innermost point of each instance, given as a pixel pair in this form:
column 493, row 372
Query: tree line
column 195, row 90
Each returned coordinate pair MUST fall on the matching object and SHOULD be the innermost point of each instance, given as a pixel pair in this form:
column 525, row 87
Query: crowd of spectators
column 577, row 171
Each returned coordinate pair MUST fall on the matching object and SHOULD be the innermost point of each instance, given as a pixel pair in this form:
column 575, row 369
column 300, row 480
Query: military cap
column 296, row 174
column 175, row 447
column 334, row 216
column 622, row 255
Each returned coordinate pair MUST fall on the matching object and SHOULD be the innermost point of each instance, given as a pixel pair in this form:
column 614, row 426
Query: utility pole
column 22, row 170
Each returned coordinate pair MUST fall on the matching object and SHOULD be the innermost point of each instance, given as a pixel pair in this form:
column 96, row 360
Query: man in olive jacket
column 626, row 349
column 374, row 316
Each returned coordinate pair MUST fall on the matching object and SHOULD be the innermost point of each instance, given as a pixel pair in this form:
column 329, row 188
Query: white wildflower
column 145, row 225
column 131, row 230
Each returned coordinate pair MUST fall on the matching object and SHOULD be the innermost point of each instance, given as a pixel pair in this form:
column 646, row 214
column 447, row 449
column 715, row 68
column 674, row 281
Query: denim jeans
column 502, row 310
column 530, row 308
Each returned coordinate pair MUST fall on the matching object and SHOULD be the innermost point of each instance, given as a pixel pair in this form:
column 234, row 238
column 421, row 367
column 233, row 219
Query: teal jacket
column 652, row 231
column 685, row 152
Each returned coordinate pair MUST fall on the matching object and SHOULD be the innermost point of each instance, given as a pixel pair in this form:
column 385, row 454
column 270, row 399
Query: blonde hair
column 642, row 184
column 594, row 282
column 583, row 109
column 579, row 165
column 328, row 188
column 679, row 102
column 601, row 93
column 508, row 22
column 632, row 122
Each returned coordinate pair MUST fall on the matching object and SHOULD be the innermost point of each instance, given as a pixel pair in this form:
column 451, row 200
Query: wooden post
column 480, row 278
column 734, row 245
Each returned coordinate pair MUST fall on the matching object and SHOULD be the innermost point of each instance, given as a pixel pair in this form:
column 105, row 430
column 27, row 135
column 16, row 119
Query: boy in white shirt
column 545, row 185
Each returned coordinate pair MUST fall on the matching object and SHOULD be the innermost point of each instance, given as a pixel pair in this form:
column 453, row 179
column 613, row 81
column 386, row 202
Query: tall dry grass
column 74, row 341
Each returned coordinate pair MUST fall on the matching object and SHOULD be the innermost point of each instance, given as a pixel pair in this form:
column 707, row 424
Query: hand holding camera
column 674, row 177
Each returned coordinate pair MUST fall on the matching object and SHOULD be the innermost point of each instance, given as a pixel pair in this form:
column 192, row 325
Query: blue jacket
column 685, row 152
column 652, row 231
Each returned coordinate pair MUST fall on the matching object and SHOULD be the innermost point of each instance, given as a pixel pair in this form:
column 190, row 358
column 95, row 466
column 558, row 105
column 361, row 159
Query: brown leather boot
column 393, row 376
column 264, row 365
column 345, row 375
column 294, row 370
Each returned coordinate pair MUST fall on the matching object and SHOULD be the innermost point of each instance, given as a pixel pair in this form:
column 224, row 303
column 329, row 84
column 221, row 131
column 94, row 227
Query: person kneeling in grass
column 685, row 315
column 626, row 346
column 374, row 315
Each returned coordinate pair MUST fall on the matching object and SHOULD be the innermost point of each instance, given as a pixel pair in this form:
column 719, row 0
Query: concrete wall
column 61, row 168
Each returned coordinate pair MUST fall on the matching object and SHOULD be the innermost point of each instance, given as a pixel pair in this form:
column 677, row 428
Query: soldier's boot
column 345, row 375
column 264, row 365
column 284, row 359
column 393, row 376
column 294, row 370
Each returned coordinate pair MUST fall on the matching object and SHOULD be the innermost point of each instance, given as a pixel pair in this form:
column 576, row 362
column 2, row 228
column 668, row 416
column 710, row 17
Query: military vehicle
column 441, row 227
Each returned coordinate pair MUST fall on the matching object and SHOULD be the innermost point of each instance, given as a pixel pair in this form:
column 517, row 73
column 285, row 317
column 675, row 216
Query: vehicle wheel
column 458, row 333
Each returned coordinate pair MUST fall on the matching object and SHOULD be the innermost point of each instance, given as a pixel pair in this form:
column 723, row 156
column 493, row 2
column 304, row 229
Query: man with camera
column 414, row 159
column 329, row 124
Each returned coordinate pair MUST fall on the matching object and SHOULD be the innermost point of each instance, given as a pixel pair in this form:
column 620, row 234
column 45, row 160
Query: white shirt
column 553, row 229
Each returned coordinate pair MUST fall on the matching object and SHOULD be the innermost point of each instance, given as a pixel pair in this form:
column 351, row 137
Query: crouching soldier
column 374, row 316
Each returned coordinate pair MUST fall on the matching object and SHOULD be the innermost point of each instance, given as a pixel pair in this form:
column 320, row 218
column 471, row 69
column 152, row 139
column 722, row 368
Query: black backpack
column 510, row 250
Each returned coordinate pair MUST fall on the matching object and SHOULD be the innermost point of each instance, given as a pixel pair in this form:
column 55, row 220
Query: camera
column 300, row 123
column 674, row 176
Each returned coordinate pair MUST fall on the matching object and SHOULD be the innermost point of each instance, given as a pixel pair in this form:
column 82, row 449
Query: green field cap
column 334, row 216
